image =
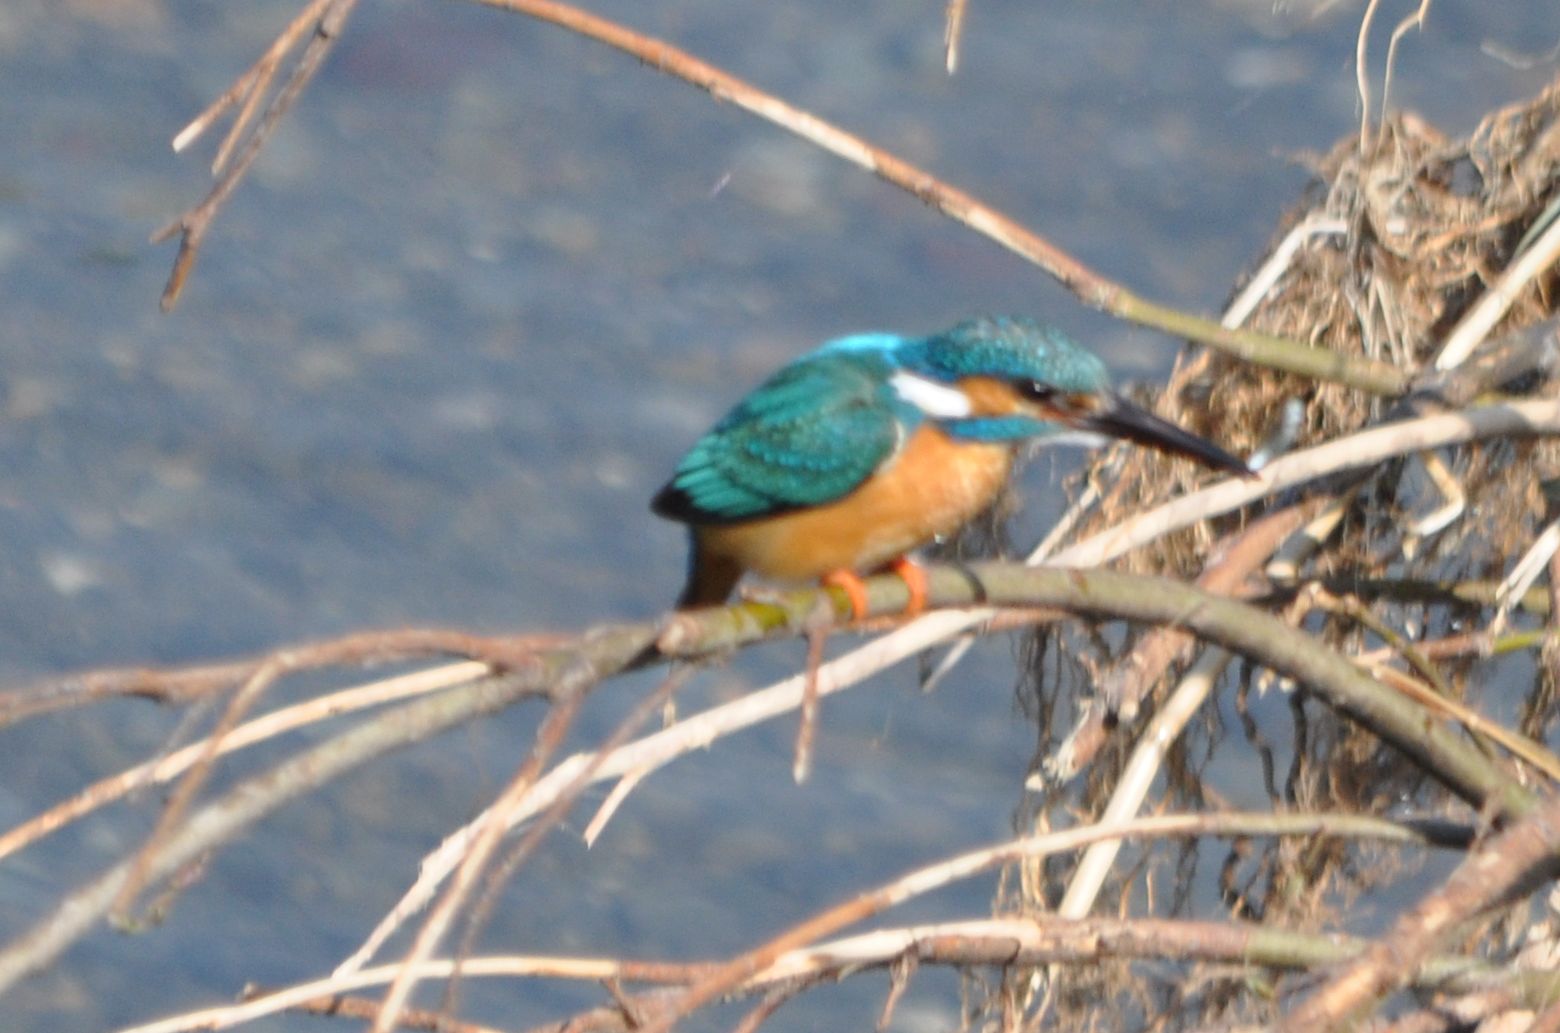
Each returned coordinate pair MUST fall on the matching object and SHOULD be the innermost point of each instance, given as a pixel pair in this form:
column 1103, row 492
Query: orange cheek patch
column 991, row 397
column 1075, row 407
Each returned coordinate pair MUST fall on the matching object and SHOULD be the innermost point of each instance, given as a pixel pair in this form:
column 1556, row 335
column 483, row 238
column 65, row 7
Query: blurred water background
column 484, row 287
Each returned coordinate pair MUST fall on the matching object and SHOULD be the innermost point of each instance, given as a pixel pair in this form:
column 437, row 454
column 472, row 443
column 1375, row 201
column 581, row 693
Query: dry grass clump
column 1402, row 233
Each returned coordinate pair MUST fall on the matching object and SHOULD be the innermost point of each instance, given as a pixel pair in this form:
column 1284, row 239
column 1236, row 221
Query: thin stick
column 1090, row 287
column 1362, row 74
column 958, row 943
column 953, row 32
column 252, row 82
column 1488, row 877
column 161, row 684
column 1413, row 21
column 1476, row 324
column 193, row 225
column 656, row 750
column 807, row 727
column 1317, row 224
column 165, row 769
column 922, row 880
column 1093, row 289
column 505, row 871
column 1138, row 776
column 1356, row 451
column 549, row 736
column 875, row 947
column 184, row 795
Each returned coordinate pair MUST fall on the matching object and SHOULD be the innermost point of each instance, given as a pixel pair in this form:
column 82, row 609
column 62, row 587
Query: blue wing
column 807, row 436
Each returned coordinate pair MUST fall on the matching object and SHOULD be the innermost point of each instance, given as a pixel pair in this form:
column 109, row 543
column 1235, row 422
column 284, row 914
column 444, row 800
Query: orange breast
column 931, row 488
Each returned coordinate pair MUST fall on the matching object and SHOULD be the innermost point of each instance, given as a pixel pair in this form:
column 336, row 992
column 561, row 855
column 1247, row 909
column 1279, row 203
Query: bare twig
column 1495, row 870
column 1132, row 787
column 1092, row 288
column 1412, row 21
column 179, row 685
column 549, row 736
column 184, row 795
column 761, row 1012
column 165, row 769
column 1362, row 74
column 215, row 822
column 953, row 31
column 1435, row 700
column 161, row 684
column 735, row 972
column 1356, row 451
column 991, row 941
column 1498, row 299
column 326, row 18
column 901, row 971
column 999, row 941
column 504, row 872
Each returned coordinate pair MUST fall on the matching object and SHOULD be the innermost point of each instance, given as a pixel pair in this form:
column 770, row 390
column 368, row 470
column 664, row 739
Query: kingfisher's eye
column 1035, row 390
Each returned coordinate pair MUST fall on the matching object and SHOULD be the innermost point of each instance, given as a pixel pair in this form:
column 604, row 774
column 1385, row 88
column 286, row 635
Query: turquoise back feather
column 806, row 436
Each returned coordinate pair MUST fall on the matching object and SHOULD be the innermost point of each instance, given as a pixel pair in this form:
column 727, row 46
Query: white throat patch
column 938, row 401
column 1073, row 438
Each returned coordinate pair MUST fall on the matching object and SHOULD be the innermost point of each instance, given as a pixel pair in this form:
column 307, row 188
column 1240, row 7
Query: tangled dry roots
column 1401, row 237
column 1412, row 232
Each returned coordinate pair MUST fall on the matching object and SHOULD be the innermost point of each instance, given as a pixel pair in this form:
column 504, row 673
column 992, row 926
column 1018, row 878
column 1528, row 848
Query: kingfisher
column 852, row 456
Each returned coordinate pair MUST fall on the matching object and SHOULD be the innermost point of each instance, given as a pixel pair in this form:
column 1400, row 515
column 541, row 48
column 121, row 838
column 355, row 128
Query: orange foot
column 914, row 577
column 854, row 588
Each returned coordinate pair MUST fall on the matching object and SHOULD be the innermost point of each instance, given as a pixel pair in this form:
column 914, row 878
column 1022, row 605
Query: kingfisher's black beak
column 1113, row 415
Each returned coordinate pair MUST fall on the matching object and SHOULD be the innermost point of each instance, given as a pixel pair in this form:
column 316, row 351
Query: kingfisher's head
column 1010, row 378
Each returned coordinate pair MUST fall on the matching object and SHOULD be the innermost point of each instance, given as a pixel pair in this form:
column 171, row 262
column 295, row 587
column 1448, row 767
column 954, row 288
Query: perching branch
column 560, row 674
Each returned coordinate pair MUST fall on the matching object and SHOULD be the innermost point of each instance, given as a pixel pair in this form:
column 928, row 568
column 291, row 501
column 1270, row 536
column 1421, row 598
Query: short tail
column 710, row 577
